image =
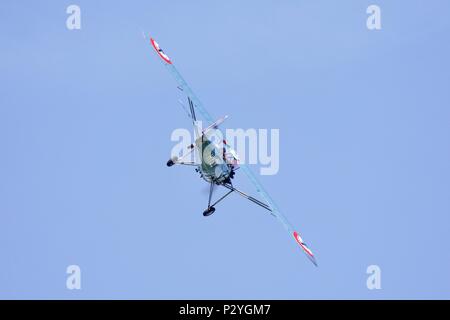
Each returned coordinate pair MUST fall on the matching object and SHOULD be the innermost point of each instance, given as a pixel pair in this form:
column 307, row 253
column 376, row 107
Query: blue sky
column 85, row 124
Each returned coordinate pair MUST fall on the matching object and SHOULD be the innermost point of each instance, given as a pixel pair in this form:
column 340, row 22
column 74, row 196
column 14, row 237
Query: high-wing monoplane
column 218, row 162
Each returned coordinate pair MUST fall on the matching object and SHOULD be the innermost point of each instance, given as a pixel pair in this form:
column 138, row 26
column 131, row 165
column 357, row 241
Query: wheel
column 209, row 211
column 172, row 161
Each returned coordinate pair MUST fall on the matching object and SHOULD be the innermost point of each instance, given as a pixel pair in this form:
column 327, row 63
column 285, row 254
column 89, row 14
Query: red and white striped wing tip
column 305, row 248
column 160, row 51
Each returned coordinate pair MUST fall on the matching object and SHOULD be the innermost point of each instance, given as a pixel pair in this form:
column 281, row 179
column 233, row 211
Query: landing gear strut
column 211, row 208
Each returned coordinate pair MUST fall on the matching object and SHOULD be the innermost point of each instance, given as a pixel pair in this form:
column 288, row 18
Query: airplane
column 218, row 161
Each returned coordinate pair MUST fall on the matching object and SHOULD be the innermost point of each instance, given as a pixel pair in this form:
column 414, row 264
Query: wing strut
column 246, row 196
column 191, row 105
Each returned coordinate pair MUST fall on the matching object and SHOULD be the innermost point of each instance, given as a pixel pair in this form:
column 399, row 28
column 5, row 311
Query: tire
column 209, row 211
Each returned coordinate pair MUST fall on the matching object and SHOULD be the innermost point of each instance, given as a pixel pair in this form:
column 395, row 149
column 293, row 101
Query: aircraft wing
column 243, row 167
column 182, row 84
column 277, row 213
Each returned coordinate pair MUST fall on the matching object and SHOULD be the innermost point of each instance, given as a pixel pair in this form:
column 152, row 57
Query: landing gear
column 209, row 211
column 172, row 161
column 176, row 160
column 211, row 208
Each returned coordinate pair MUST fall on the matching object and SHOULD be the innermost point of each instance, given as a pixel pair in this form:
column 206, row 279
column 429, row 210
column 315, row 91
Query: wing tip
column 160, row 51
column 305, row 248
